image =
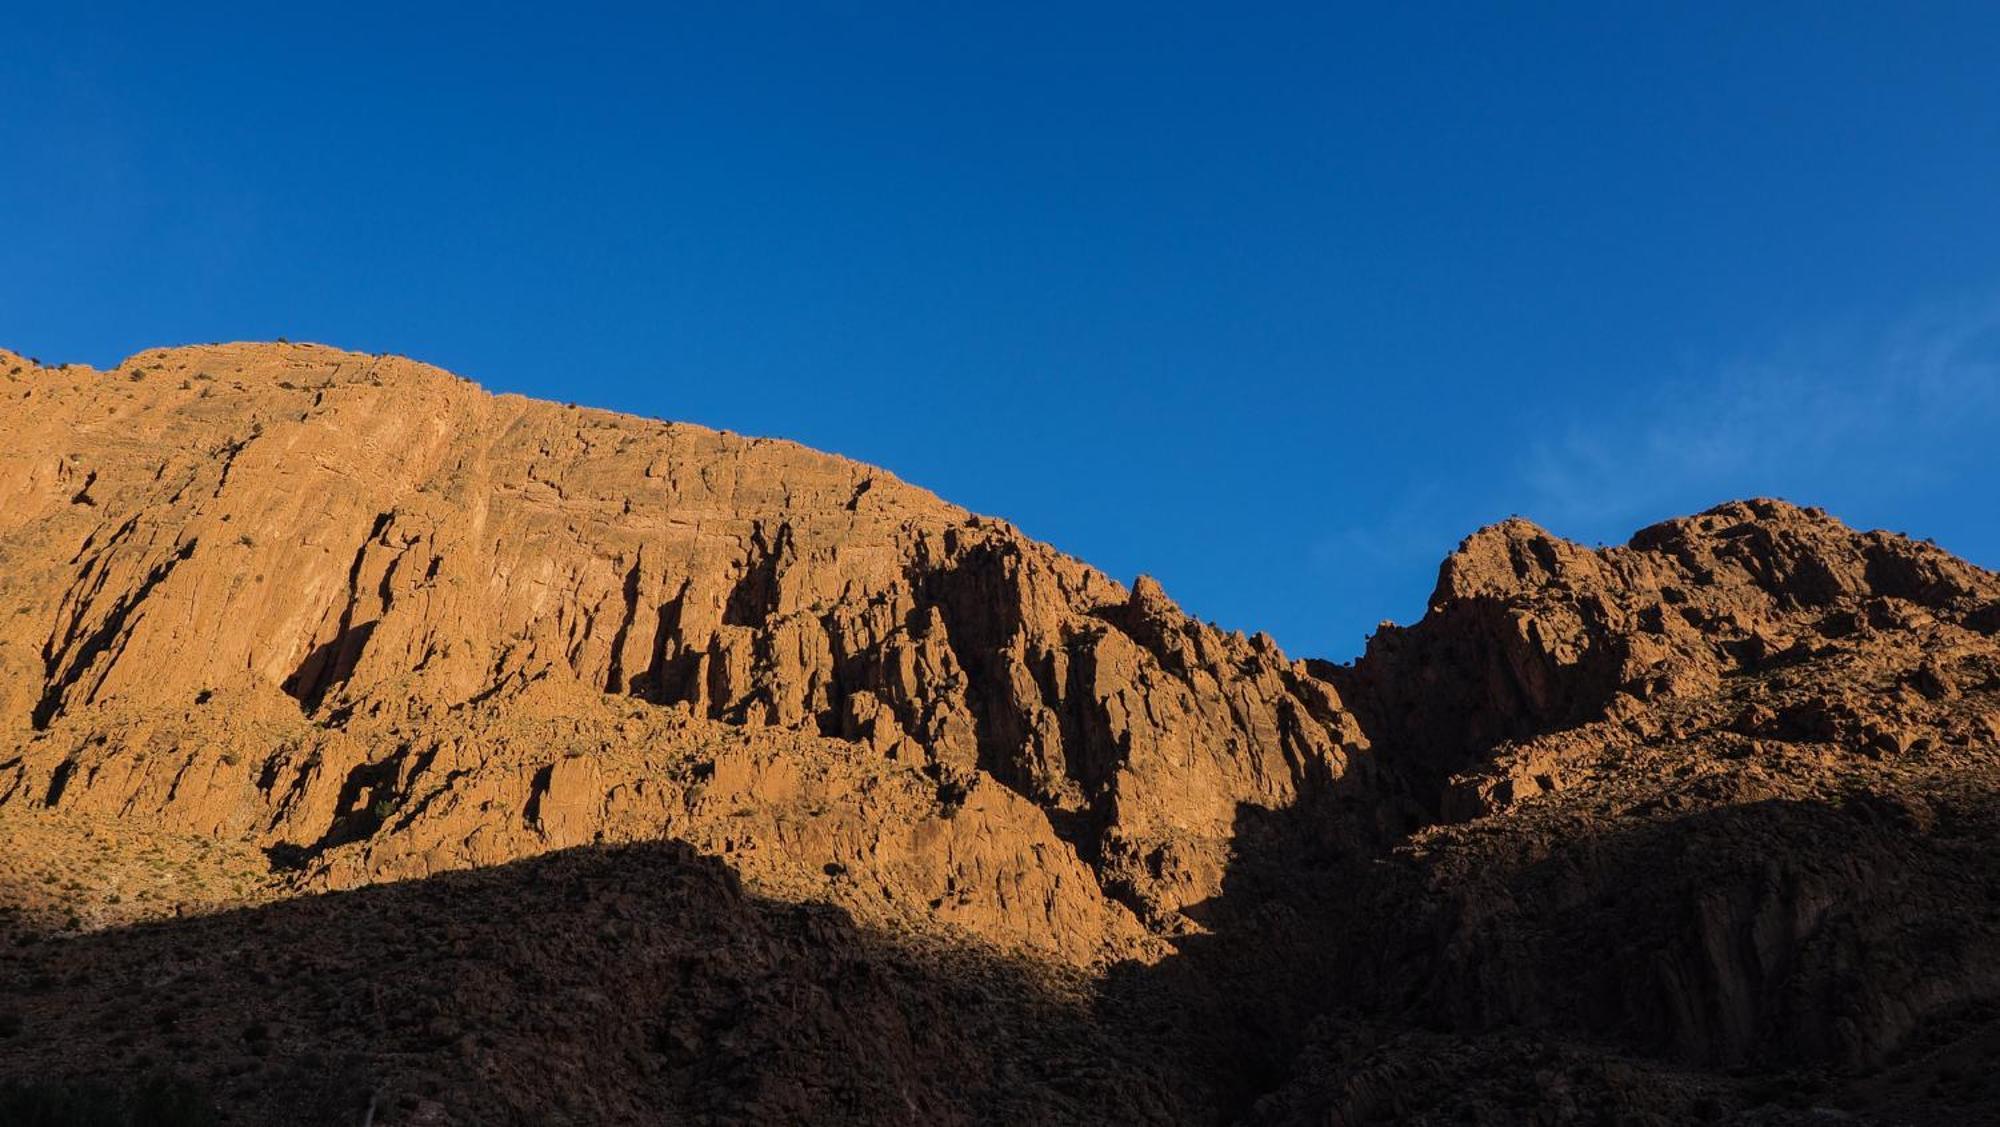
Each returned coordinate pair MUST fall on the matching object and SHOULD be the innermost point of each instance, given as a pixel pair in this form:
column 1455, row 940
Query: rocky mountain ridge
column 355, row 616
column 397, row 552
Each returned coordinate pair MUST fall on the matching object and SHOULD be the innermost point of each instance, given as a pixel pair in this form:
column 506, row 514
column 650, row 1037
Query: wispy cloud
column 1895, row 410
column 1886, row 419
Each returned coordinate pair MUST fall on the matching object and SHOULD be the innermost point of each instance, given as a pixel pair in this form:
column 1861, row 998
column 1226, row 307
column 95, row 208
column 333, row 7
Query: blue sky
column 1275, row 306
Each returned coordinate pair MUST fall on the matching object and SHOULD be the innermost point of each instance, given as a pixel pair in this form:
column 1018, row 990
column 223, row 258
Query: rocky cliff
column 1694, row 827
column 392, row 625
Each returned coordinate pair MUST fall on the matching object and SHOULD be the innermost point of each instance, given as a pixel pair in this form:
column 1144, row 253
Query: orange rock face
column 390, row 624
column 823, row 799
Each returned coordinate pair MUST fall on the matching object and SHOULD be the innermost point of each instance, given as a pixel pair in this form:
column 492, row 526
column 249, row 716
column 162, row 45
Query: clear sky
column 1273, row 302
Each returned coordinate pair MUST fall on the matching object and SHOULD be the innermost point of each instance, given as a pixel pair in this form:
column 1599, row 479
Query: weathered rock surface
column 268, row 589
column 1724, row 796
column 1695, row 829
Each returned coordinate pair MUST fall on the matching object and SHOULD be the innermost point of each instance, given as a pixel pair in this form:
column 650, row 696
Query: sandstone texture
column 368, row 740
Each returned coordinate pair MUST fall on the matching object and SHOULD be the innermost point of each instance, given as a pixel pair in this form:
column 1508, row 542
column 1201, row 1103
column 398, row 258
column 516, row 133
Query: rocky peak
column 1529, row 633
column 387, row 545
column 1514, row 557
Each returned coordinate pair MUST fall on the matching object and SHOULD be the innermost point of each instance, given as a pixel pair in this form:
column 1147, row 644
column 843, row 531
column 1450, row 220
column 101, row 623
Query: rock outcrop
column 303, row 593
column 944, row 825
column 1723, row 796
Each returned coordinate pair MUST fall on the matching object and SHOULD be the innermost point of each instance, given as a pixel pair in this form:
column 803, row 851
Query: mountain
column 371, row 745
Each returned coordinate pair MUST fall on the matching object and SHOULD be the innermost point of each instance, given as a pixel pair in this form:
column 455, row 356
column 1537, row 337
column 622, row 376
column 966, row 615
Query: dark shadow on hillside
column 1739, row 961
column 598, row 985
column 1735, row 964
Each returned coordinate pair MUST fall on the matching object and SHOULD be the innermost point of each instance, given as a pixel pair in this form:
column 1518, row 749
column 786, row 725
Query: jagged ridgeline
column 1697, row 826
column 495, row 625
